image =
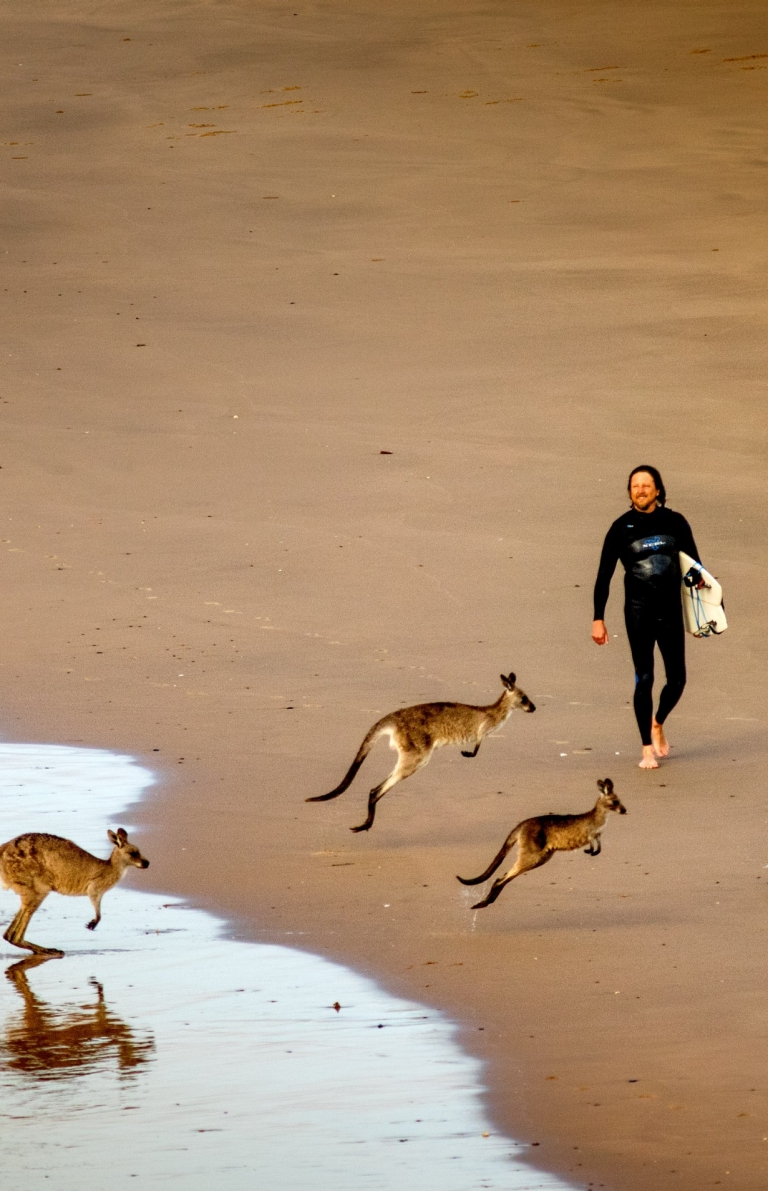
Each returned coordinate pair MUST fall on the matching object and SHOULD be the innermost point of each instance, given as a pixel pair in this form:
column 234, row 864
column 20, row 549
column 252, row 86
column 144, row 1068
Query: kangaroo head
column 519, row 699
column 608, row 798
column 128, row 852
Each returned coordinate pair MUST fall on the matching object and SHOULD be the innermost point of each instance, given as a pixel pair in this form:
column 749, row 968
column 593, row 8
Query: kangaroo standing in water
column 37, row 864
column 539, row 838
column 415, row 732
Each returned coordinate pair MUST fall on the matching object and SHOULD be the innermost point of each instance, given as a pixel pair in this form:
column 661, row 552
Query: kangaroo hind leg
column 524, row 863
column 407, row 764
column 31, row 900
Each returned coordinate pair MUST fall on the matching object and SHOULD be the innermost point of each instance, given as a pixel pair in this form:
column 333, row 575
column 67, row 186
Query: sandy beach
column 416, row 286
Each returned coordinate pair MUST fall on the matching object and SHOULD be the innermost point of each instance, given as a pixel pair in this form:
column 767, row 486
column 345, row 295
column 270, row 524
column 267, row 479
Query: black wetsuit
column 648, row 545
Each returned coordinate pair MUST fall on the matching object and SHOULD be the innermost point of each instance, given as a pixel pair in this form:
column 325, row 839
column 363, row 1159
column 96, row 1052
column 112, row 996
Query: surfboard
column 703, row 611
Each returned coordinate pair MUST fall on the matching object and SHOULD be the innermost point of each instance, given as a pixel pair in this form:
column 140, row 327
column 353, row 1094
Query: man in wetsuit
column 648, row 539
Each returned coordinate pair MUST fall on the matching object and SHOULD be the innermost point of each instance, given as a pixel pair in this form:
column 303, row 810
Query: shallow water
column 158, row 1050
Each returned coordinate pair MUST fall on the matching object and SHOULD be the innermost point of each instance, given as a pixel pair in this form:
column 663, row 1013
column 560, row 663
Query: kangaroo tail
column 509, row 844
column 349, row 776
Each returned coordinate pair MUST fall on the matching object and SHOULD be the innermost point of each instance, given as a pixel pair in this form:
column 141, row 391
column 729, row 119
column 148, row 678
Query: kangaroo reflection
column 58, row 1042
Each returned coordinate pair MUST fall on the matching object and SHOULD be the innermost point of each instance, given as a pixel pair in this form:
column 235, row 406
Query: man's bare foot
column 660, row 745
column 649, row 759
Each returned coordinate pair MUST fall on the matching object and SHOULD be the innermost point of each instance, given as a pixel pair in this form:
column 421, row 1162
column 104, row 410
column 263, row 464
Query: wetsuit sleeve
column 608, row 560
column 686, row 541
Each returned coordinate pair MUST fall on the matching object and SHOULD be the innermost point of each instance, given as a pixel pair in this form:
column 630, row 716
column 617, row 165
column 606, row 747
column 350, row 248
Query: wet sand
column 522, row 251
column 164, row 1050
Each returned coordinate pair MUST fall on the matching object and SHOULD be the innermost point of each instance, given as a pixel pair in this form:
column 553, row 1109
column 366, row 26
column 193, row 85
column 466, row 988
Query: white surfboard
column 703, row 611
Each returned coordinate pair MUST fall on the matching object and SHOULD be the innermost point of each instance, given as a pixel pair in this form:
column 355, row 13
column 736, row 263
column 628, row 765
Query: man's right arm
column 608, row 560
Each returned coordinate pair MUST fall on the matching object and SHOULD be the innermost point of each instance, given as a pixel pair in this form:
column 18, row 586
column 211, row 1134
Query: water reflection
column 47, row 1041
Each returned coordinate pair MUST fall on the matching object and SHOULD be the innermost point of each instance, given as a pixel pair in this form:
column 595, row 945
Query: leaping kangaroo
column 415, row 732
column 36, row 864
column 539, row 838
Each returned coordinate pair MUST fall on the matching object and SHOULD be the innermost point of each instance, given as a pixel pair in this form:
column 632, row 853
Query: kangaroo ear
column 512, row 678
column 122, row 835
column 112, row 837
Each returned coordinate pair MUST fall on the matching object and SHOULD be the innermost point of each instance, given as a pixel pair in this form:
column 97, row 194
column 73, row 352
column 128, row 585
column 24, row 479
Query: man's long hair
column 656, row 475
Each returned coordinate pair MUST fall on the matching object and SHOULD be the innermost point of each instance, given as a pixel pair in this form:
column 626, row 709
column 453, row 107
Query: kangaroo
column 37, row 864
column 415, row 732
column 539, row 838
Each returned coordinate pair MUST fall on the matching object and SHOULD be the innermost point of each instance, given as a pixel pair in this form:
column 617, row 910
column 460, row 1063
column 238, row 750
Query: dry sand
column 521, row 247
